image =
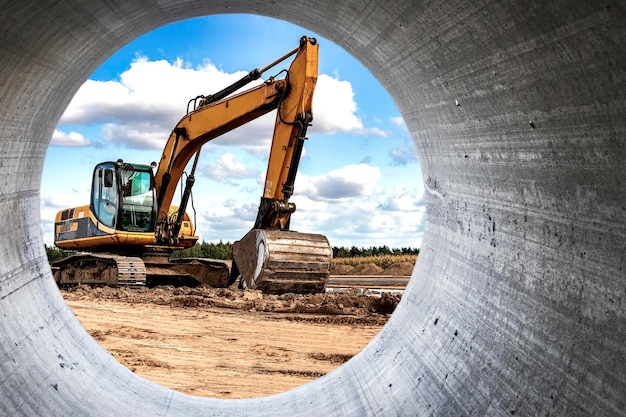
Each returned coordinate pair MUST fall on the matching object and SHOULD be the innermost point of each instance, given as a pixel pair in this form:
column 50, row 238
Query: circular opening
column 356, row 185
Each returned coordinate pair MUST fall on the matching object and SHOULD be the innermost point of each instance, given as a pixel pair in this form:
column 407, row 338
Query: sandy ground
column 225, row 343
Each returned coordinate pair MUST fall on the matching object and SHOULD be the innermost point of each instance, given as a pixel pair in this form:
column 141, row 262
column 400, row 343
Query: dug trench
column 229, row 343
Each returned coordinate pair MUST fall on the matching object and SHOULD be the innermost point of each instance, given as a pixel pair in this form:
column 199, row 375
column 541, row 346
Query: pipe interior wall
column 518, row 302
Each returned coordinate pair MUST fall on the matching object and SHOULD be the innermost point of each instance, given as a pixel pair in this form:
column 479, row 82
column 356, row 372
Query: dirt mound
column 341, row 269
column 369, row 268
column 349, row 307
column 400, row 269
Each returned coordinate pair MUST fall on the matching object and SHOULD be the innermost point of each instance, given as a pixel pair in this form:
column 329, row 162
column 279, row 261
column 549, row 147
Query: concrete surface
column 518, row 301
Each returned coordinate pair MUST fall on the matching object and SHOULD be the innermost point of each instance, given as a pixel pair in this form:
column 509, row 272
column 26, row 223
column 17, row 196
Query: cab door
column 105, row 194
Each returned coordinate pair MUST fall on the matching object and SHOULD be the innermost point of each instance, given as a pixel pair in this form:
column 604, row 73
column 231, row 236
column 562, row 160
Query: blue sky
column 359, row 181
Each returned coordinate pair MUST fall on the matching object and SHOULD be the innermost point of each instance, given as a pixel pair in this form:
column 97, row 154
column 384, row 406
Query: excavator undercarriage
column 99, row 270
column 147, row 270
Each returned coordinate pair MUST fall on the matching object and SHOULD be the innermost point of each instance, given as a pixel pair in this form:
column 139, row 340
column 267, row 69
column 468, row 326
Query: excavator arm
column 292, row 120
column 194, row 130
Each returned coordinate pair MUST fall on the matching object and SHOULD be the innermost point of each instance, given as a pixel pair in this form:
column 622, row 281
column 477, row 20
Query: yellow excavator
column 126, row 235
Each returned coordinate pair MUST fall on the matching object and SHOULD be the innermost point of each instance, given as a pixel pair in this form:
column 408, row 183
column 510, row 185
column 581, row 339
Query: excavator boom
column 204, row 124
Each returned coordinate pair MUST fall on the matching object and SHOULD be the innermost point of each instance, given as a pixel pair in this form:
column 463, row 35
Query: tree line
column 354, row 252
column 224, row 251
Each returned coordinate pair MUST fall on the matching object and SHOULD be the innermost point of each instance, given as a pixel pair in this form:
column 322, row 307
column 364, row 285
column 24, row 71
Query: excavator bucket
column 278, row 262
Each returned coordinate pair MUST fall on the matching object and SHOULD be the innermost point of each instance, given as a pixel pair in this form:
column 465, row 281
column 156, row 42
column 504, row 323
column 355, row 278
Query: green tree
column 54, row 253
column 354, row 252
column 219, row 250
column 340, row 252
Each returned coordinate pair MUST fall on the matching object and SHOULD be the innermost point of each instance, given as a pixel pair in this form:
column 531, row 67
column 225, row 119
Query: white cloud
column 334, row 106
column 226, row 168
column 402, row 199
column 140, row 109
column 50, row 205
column 359, row 220
column 72, row 199
column 140, row 135
column 398, row 121
column 149, row 91
column 404, row 154
column 228, row 221
column 347, row 205
column 254, row 136
column 73, row 139
column 357, row 180
column 334, row 109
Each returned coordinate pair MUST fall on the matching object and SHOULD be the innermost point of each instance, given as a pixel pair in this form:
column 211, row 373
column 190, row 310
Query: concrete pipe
column 518, row 303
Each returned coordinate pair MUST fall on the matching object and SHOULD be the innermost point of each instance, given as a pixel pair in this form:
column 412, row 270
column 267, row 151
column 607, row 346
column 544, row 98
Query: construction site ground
column 228, row 343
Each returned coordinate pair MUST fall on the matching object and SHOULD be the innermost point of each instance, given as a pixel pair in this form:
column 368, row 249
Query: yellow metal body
column 107, row 237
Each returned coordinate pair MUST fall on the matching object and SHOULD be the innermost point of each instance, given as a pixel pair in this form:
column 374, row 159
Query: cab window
column 137, row 200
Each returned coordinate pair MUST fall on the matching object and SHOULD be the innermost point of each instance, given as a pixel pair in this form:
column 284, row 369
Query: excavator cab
column 122, row 212
column 123, row 196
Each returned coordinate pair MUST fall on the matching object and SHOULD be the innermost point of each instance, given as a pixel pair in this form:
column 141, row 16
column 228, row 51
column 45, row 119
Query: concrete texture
column 518, row 301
